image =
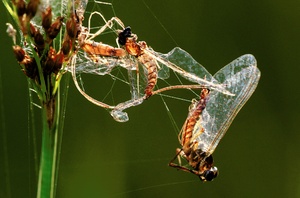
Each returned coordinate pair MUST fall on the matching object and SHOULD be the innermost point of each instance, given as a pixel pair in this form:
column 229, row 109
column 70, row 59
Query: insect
column 137, row 49
column 95, row 49
column 103, row 58
column 210, row 117
column 201, row 163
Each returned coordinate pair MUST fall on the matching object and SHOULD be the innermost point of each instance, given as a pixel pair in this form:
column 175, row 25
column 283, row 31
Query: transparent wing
column 186, row 66
column 241, row 78
column 100, row 65
column 186, row 62
column 181, row 63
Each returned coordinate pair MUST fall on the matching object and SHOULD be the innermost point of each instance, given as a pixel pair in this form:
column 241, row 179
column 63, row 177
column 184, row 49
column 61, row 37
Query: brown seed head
column 58, row 61
column 47, row 18
column 32, row 8
column 38, row 38
column 71, row 27
column 21, row 7
column 31, row 69
column 66, row 47
column 19, row 53
column 49, row 63
column 55, row 28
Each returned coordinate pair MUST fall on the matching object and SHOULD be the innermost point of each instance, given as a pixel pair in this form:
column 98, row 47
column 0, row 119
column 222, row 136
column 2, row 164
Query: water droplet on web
column 119, row 116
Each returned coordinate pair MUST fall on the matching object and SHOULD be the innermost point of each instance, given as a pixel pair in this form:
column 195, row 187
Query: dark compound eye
column 124, row 35
column 209, row 175
column 127, row 32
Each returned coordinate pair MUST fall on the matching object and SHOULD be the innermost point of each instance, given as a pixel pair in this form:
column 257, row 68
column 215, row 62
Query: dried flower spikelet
column 55, row 28
column 54, row 62
column 39, row 42
column 58, row 61
column 29, row 63
column 21, row 7
column 47, row 18
column 71, row 27
column 38, row 38
column 31, row 69
column 49, row 63
column 19, row 53
column 66, row 47
column 21, row 12
column 32, row 8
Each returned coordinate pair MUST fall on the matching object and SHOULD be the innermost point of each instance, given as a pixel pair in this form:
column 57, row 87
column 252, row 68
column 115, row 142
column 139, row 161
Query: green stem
column 47, row 171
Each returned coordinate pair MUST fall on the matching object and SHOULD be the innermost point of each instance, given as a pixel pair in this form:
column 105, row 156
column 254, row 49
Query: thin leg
column 108, row 24
column 176, row 156
column 184, row 168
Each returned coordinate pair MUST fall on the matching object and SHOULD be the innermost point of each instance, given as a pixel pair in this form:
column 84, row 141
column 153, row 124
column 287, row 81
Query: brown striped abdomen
column 193, row 119
column 94, row 48
column 151, row 66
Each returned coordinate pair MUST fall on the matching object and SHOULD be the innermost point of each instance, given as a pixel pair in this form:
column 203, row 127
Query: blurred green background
column 258, row 157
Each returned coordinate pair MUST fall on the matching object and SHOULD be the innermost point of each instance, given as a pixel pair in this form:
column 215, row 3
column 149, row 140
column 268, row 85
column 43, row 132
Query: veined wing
column 185, row 65
column 100, row 65
column 241, row 78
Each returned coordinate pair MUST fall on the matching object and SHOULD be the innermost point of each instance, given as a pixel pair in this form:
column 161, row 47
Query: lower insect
column 200, row 162
column 210, row 117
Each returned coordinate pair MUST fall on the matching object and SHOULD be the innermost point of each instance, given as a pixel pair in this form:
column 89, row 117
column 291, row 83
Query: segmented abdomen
column 151, row 66
column 193, row 118
column 94, row 48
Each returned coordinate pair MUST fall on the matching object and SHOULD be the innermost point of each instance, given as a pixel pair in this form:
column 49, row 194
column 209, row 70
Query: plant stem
column 47, row 171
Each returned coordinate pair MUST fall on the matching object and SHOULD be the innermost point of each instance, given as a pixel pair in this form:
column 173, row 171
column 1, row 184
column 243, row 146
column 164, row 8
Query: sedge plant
column 44, row 35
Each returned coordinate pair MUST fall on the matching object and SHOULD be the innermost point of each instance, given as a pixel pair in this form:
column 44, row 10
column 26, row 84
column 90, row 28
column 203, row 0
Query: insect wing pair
column 241, row 78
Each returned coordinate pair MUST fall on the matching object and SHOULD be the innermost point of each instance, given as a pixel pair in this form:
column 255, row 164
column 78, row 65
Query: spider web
column 114, row 83
column 136, row 77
